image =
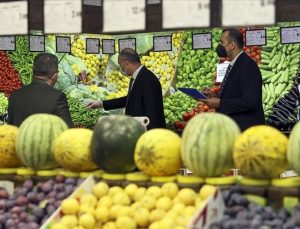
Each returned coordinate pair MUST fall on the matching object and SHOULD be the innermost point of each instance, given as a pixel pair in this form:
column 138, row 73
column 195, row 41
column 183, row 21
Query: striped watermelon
column 207, row 144
column 72, row 150
column 113, row 143
column 35, row 140
column 293, row 150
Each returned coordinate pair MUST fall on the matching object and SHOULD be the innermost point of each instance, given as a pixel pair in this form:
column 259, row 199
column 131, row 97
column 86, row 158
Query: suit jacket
column 144, row 99
column 241, row 97
column 37, row 97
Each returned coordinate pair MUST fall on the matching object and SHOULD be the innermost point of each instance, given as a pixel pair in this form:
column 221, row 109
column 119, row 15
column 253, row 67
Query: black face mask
column 221, row 51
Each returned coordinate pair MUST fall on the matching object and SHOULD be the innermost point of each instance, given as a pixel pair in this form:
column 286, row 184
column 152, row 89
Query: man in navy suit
column 144, row 96
column 240, row 96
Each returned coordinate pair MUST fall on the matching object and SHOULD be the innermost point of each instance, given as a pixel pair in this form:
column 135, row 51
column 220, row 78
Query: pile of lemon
column 132, row 207
column 120, row 83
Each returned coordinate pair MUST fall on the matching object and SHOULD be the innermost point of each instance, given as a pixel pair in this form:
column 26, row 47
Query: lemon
column 187, row 196
column 69, row 221
column 156, row 215
column 139, row 194
column 115, row 190
column 69, row 206
column 183, row 220
column 136, row 205
column 148, row 202
column 88, row 199
column 154, row 191
column 164, row 203
column 176, row 200
column 206, row 191
column 169, row 189
column 166, row 223
column 87, row 221
column 125, row 222
column 84, row 208
column 78, row 227
column 100, row 189
column 178, row 207
column 59, row 226
column 121, row 198
column 114, row 210
column 105, row 201
column 109, row 225
column 102, row 214
column 189, row 211
column 141, row 217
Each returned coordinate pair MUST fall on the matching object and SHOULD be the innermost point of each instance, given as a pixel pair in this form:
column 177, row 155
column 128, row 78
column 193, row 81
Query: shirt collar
column 235, row 58
column 134, row 75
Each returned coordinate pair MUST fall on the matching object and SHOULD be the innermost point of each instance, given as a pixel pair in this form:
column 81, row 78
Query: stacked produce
column 240, row 213
column 22, row 59
column 279, row 66
column 253, row 51
column 118, row 83
column 131, row 207
column 196, row 68
column 3, row 103
column 31, row 205
column 9, row 77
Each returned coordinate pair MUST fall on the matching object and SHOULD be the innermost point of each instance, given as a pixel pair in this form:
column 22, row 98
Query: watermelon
column 35, row 140
column 113, row 143
column 8, row 135
column 72, row 150
column 207, row 144
column 261, row 152
column 293, row 150
column 157, row 153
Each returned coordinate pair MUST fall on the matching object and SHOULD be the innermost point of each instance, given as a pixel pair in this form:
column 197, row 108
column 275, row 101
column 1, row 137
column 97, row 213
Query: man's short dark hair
column 236, row 36
column 45, row 64
column 130, row 55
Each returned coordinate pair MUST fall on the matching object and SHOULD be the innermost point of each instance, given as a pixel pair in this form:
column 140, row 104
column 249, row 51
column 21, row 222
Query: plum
column 3, row 204
column 9, row 223
column 71, row 181
column 32, row 218
column 40, row 196
column 21, row 200
column 21, row 225
column 50, row 209
column 38, row 212
column 28, row 184
column 59, row 179
column 3, row 194
column 32, row 225
column 52, row 194
column 23, row 216
column 16, row 210
column 69, row 189
column 61, row 196
column 46, row 187
column 32, row 197
column 59, row 187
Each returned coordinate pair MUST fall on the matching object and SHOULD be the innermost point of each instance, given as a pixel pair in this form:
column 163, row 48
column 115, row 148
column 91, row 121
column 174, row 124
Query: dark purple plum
column 28, row 184
column 46, row 187
column 21, row 200
column 32, row 225
column 59, row 179
column 3, row 194
column 71, row 181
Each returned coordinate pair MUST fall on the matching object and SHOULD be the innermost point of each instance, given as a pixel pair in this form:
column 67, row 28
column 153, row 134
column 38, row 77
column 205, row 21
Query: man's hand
column 95, row 104
column 209, row 93
column 211, row 102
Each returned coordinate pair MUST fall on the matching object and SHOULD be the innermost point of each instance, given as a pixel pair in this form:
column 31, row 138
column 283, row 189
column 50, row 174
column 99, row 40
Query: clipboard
column 192, row 92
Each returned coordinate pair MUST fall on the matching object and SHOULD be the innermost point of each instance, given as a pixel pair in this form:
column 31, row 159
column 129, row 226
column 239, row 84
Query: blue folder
column 192, row 92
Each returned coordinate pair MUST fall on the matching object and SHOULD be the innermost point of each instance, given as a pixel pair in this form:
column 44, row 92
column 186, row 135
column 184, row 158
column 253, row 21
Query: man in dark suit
column 39, row 96
column 144, row 96
column 240, row 96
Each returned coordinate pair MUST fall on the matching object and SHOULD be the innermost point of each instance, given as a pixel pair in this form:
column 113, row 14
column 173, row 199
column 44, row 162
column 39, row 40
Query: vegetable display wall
column 97, row 76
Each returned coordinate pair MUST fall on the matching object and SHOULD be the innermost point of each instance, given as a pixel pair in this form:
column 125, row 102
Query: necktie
column 130, row 84
column 225, row 78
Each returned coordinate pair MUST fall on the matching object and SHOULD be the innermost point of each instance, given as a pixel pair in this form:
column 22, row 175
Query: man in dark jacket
column 144, row 96
column 240, row 96
column 39, row 96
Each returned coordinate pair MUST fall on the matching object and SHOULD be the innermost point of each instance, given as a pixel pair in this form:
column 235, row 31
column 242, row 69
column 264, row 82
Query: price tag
column 92, row 46
column 152, row 2
column 124, row 15
column 248, row 12
column 108, row 46
column 7, row 43
column 63, row 44
column 8, row 186
column 256, row 37
column 63, row 16
column 127, row 43
column 92, row 2
column 14, row 18
column 202, row 41
column 188, row 13
column 36, row 43
column 221, row 71
column 162, row 43
column 290, row 35
column 212, row 211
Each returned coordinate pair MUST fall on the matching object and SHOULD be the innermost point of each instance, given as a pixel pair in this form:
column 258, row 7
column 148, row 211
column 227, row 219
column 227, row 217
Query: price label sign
column 14, row 18
column 127, row 43
column 290, row 35
column 221, row 71
column 188, row 13
column 202, row 41
column 63, row 16
column 92, row 46
column 7, row 43
column 108, row 46
column 248, row 12
column 162, row 43
column 124, row 15
column 37, row 43
column 63, row 44
column 256, row 37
